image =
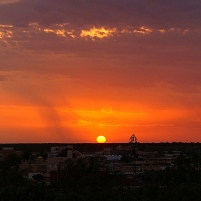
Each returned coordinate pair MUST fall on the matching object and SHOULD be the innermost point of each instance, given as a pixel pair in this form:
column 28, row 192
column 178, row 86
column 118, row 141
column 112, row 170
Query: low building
column 56, row 163
column 73, row 154
column 37, row 166
column 6, row 151
column 56, row 168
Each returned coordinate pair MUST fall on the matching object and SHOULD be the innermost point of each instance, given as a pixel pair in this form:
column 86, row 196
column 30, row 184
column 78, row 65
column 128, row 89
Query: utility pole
column 133, row 144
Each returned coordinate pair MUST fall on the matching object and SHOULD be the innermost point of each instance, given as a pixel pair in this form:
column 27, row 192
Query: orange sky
column 73, row 70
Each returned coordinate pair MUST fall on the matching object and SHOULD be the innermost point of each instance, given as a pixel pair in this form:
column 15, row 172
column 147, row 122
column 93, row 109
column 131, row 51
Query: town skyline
column 71, row 71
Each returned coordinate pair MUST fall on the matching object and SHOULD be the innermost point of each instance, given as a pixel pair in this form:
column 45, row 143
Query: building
column 37, row 166
column 6, row 151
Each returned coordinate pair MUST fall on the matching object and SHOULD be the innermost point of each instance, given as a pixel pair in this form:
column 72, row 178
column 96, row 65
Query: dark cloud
column 185, row 14
column 184, row 17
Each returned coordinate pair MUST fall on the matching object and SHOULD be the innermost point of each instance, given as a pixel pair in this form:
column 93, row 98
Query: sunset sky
column 71, row 70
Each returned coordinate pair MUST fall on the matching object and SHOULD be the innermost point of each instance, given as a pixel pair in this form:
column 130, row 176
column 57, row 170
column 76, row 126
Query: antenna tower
column 133, row 139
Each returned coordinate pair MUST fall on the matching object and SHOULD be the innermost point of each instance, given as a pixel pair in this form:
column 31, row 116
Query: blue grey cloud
column 167, row 14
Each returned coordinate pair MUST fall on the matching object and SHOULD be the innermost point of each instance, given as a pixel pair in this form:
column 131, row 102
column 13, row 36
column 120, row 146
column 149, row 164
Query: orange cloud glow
column 143, row 30
column 97, row 32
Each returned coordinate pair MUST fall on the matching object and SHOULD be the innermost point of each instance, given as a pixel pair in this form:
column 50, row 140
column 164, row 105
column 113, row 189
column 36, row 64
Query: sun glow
column 101, row 139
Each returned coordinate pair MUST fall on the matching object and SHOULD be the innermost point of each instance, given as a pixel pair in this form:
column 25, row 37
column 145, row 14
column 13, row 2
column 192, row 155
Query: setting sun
column 101, row 139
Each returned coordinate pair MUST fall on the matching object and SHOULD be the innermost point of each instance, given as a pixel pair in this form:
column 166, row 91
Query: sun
column 101, row 139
